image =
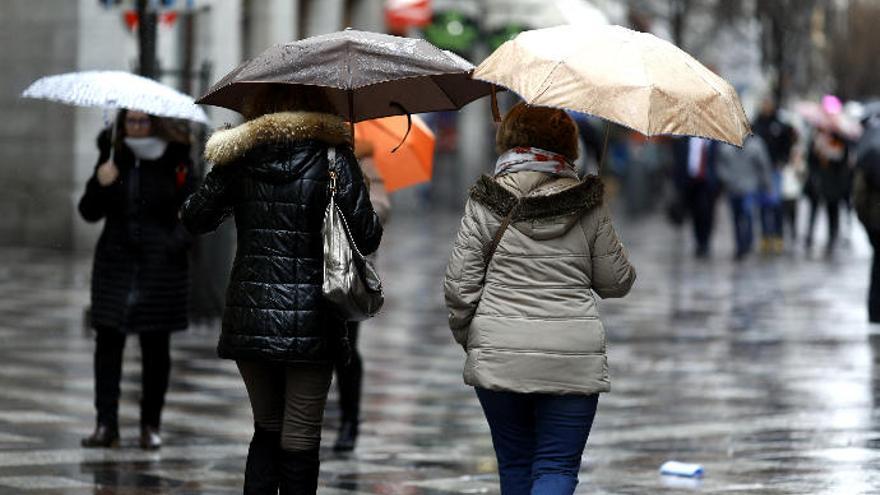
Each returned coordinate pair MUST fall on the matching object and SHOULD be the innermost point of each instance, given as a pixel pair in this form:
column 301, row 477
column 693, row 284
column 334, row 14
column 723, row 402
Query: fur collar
column 227, row 145
column 583, row 196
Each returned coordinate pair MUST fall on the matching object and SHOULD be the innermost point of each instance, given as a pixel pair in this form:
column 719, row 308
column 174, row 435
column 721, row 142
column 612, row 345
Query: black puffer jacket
column 140, row 278
column 271, row 173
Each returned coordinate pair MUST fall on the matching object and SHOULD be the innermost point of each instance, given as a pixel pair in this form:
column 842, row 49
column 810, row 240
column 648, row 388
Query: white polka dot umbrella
column 116, row 90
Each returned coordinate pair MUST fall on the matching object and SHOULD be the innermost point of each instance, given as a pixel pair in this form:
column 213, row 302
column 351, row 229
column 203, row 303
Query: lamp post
column 147, row 64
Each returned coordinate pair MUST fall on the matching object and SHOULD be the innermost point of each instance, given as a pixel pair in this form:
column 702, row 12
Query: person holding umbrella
column 140, row 277
column 537, row 247
column 272, row 174
column 554, row 247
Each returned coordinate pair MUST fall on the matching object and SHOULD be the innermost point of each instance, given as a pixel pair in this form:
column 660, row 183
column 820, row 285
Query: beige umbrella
column 631, row 78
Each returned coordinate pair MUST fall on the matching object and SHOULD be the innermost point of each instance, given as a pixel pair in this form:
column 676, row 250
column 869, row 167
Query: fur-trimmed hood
column 548, row 206
column 228, row 145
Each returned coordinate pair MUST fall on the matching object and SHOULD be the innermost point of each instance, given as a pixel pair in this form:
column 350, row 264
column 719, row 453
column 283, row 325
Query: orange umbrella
column 412, row 163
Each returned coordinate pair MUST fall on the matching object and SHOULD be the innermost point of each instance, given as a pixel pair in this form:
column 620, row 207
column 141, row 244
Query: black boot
column 150, row 439
column 347, row 437
column 261, row 473
column 299, row 472
column 103, row 436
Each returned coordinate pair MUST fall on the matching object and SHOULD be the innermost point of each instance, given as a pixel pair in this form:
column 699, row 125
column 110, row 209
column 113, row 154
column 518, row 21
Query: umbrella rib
column 544, row 85
column 445, row 93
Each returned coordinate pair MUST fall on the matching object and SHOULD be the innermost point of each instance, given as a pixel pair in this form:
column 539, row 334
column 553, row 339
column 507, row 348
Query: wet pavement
column 765, row 372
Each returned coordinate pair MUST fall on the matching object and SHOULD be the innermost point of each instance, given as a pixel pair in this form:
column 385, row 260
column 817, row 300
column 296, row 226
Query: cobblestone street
column 765, row 372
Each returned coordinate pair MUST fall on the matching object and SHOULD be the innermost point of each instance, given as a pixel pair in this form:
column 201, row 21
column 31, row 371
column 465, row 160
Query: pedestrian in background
column 350, row 372
column 697, row 180
column 140, row 277
column 522, row 300
column 746, row 175
column 272, row 174
column 866, row 200
column 828, row 182
column 779, row 138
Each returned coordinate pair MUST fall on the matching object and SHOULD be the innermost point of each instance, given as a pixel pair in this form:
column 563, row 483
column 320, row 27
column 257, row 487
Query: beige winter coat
column 532, row 325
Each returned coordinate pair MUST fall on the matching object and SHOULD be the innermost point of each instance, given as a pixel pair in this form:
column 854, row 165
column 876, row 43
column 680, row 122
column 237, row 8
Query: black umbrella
column 365, row 75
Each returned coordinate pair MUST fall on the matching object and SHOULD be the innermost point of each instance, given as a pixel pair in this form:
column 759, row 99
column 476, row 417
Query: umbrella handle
column 113, row 140
column 496, row 114
column 604, row 148
column 408, row 123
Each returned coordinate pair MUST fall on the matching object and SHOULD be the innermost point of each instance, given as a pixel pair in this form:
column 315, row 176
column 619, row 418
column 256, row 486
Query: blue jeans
column 742, row 207
column 771, row 209
column 539, row 439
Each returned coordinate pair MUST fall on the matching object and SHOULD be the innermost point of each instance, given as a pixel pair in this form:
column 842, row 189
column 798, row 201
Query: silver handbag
column 351, row 283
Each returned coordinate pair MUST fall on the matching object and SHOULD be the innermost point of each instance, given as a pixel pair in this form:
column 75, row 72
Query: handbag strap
column 331, row 165
column 331, row 169
column 489, row 249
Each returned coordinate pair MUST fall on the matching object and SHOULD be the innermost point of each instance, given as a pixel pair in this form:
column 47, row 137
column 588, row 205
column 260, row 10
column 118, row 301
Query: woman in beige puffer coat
column 527, row 314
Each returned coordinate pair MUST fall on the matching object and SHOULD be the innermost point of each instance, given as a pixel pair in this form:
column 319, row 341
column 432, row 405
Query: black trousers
column 349, row 377
column 155, row 369
column 700, row 198
column 789, row 215
column 832, row 208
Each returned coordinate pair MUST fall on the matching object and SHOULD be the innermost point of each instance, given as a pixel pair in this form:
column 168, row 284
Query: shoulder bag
column 351, row 284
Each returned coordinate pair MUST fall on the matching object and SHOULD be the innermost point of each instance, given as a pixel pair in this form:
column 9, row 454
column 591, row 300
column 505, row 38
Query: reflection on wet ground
column 764, row 372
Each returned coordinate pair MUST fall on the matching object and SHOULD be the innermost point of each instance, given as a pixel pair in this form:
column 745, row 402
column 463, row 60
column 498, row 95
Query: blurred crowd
column 804, row 154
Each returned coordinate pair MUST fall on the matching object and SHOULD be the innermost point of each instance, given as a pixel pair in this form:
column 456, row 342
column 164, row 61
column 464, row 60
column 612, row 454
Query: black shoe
column 299, row 472
column 347, row 437
column 262, row 471
column 104, row 436
column 150, row 438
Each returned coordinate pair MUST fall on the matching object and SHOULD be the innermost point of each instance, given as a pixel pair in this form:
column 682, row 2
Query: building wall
column 37, row 37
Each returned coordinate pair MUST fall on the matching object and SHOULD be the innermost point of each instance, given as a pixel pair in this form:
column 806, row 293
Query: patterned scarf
column 534, row 160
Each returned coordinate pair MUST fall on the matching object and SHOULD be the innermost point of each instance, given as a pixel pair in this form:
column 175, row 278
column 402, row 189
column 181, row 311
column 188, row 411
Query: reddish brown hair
column 547, row 128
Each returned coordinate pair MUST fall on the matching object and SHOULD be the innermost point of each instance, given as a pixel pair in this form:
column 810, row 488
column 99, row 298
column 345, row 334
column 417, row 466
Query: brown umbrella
column 365, row 75
column 634, row 79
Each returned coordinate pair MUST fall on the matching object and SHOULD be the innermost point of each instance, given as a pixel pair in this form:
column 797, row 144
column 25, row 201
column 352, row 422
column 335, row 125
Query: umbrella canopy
column 115, row 90
column 413, row 162
column 631, row 78
column 365, row 75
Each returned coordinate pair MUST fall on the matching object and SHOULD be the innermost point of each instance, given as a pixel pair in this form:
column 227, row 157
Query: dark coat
column 681, row 176
column 866, row 191
column 777, row 135
column 827, row 179
column 271, row 173
column 140, row 278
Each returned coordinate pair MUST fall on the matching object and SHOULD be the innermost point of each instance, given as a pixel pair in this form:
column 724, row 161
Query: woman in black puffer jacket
column 140, row 279
column 272, row 174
